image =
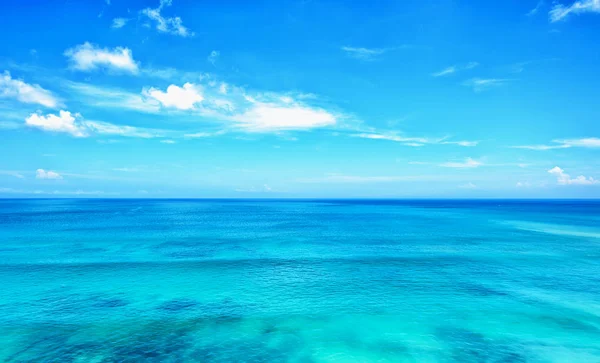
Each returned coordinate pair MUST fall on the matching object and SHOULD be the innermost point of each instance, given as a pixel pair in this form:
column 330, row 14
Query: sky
column 300, row 99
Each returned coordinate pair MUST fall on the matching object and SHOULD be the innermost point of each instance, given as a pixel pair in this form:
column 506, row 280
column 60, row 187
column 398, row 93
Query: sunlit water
column 299, row 281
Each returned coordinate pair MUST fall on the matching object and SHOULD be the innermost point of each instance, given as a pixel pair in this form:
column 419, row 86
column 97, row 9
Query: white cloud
column 89, row 57
column 565, row 179
column 456, row 68
column 588, row 142
column 181, row 98
column 561, row 12
column 168, row 141
column 47, row 174
column 216, row 101
column 481, row 84
column 26, row 93
column 365, row 54
column 75, row 125
column 63, row 122
column 172, row 25
column 213, row 57
column 468, row 163
column 260, row 112
column 468, row 185
column 118, row 23
column 271, row 116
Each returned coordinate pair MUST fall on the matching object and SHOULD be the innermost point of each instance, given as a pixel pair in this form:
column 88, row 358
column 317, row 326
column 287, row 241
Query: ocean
column 299, row 281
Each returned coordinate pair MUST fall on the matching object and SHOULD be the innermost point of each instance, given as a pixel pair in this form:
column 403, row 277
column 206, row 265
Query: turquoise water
column 299, row 281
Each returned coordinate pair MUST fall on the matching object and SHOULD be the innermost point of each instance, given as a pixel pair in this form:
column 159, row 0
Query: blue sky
column 300, row 99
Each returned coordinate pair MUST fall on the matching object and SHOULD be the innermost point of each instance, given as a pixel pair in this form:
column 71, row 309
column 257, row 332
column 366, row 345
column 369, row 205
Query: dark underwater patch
column 177, row 305
column 468, row 346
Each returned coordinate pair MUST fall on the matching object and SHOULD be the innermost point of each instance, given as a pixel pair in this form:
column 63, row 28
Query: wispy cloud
column 413, row 141
column 454, row 69
column 482, row 84
column 560, row 12
column 105, row 128
column 588, row 142
column 468, row 185
column 468, row 163
column 127, row 170
column 461, row 143
column 341, row 178
column 15, row 174
column 78, row 192
column 89, row 57
column 200, row 135
column 113, row 97
column 213, row 57
column 521, row 66
column 445, row 71
column 565, row 179
column 173, row 25
column 118, row 23
column 365, row 54
column 25, row 92
column 537, row 8
column 265, row 188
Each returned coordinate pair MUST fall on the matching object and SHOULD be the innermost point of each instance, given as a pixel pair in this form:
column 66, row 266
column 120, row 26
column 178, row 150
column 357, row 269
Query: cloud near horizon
column 565, row 179
column 47, row 174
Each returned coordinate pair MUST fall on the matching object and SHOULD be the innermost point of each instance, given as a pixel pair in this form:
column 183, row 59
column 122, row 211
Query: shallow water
column 299, row 281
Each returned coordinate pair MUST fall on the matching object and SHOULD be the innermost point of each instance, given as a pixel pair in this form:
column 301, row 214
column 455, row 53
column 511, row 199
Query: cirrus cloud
column 468, row 163
column 173, row 25
column 560, row 12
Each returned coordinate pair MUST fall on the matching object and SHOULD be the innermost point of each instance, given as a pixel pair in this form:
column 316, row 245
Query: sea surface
column 299, row 281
